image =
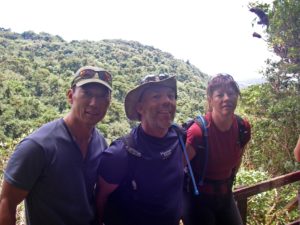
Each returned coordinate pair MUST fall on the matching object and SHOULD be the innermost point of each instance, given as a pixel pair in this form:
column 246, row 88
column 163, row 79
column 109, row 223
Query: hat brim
column 133, row 96
column 90, row 80
column 87, row 81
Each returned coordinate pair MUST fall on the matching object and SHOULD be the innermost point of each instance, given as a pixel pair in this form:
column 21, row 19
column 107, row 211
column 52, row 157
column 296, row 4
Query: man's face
column 157, row 108
column 89, row 103
column 223, row 101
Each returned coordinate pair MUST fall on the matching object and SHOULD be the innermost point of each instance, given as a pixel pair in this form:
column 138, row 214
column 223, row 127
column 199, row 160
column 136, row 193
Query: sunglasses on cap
column 151, row 77
column 89, row 73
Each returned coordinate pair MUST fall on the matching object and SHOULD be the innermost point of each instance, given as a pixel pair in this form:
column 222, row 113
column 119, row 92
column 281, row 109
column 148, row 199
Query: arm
column 235, row 170
column 297, row 150
column 244, row 139
column 190, row 152
column 194, row 134
column 10, row 197
column 105, row 189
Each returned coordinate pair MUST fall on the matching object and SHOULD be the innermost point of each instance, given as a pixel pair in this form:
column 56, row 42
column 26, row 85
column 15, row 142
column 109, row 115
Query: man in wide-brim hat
column 141, row 174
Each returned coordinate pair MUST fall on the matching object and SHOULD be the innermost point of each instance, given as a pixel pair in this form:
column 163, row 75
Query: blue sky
column 214, row 35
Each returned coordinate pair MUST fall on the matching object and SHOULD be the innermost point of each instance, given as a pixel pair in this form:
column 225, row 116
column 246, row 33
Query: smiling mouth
column 228, row 106
column 164, row 112
column 92, row 114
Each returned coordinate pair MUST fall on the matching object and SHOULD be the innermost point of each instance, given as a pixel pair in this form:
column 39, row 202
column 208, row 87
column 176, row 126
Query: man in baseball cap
column 55, row 168
column 92, row 74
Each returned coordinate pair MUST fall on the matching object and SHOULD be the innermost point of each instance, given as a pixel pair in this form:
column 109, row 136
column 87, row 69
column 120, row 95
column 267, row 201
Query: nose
column 226, row 96
column 93, row 101
column 167, row 100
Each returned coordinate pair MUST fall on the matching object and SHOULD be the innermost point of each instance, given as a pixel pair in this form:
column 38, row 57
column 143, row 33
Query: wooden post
column 299, row 201
column 241, row 194
column 242, row 205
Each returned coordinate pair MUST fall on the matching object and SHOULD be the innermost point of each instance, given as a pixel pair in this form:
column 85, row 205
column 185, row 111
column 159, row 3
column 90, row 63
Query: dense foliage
column 274, row 111
column 36, row 70
column 283, row 37
column 275, row 106
column 270, row 207
column 275, row 123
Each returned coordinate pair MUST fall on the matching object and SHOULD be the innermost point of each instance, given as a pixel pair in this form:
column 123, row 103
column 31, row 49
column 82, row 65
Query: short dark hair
column 222, row 80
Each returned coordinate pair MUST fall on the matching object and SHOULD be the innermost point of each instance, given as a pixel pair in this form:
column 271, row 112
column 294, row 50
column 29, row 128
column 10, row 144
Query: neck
column 80, row 131
column 222, row 122
column 155, row 132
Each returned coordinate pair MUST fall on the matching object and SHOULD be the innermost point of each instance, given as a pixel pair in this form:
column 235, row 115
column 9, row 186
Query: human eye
column 103, row 96
column 87, row 94
column 172, row 96
column 156, row 96
column 232, row 93
column 219, row 94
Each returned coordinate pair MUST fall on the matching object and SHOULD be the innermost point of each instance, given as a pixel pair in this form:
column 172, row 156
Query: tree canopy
column 283, row 37
column 36, row 70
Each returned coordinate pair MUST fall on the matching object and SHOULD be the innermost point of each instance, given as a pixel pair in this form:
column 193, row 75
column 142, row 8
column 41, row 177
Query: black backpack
column 114, row 213
column 181, row 133
column 204, row 148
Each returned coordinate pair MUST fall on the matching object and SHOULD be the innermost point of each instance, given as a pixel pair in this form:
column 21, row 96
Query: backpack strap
column 134, row 155
column 114, row 210
column 202, row 123
column 180, row 134
column 242, row 130
column 128, row 144
column 241, row 142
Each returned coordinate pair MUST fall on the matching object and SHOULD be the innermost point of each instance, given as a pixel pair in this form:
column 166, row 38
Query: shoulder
column 116, row 149
column 113, row 163
column 99, row 140
column 27, row 148
column 243, row 122
column 25, row 164
column 195, row 129
column 36, row 146
column 48, row 127
column 194, row 134
column 49, row 130
column 244, row 129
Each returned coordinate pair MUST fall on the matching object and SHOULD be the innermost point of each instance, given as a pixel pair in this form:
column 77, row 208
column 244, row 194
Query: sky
column 214, row 35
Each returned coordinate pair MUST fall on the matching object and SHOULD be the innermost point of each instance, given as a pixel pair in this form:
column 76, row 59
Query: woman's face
column 223, row 101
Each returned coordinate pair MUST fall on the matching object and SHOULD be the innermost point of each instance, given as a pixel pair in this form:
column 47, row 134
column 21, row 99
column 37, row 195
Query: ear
column 139, row 107
column 70, row 96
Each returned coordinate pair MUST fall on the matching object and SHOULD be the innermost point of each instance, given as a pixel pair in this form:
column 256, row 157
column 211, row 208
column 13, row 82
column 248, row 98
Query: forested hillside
column 36, row 69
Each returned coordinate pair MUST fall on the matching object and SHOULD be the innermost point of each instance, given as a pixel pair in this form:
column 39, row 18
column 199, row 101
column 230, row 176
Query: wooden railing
column 241, row 194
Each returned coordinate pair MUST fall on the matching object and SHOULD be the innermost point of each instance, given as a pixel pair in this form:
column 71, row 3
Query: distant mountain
column 36, row 70
column 246, row 83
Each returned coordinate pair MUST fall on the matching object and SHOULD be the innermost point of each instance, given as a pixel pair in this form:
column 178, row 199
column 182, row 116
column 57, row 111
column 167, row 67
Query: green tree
column 283, row 37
